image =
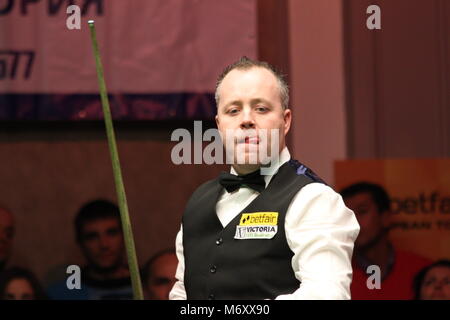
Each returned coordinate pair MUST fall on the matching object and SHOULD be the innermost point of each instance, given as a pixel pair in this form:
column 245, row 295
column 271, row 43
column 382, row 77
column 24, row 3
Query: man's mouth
column 106, row 255
column 251, row 140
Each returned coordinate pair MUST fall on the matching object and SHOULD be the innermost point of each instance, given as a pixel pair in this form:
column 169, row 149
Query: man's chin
column 250, row 158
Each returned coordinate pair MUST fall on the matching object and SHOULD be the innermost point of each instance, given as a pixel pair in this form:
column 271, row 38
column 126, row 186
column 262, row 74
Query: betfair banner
column 420, row 199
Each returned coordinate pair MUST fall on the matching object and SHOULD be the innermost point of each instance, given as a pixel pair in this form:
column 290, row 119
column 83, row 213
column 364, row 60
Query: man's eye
column 90, row 236
column 113, row 232
column 232, row 111
column 429, row 282
column 261, row 108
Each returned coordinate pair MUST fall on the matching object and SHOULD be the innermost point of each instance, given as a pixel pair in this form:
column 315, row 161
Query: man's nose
column 104, row 242
column 247, row 121
column 438, row 285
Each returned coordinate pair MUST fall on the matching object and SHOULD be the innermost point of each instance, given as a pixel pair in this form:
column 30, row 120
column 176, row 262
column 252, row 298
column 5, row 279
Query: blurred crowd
column 105, row 276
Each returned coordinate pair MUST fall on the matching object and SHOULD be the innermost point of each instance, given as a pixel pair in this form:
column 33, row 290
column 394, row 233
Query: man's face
column 162, row 277
column 250, row 101
column 436, row 285
column 369, row 219
column 102, row 243
column 6, row 234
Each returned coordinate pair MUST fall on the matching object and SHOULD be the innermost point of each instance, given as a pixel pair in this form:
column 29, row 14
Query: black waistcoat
column 218, row 266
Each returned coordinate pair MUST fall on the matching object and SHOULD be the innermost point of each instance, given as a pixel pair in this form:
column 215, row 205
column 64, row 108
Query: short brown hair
column 98, row 209
column 245, row 63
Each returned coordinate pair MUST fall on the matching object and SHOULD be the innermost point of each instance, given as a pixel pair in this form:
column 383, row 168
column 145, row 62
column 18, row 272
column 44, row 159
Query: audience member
column 20, row 284
column 158, row 275
column 371, row 205
column 100, row 238
column 433, row 282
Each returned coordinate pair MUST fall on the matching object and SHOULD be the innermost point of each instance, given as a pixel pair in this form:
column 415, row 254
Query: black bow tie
column 252, row 180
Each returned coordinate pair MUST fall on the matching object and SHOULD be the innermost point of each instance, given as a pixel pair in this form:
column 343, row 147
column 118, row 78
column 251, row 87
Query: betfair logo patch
column 259, row 219
column 257, row 225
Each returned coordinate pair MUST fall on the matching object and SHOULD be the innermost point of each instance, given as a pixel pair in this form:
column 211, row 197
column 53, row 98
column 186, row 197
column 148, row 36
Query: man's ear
column 217, row 121
column 287, row 115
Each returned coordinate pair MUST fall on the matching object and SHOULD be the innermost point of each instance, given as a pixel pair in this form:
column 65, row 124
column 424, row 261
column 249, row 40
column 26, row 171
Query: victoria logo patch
column 257, row 225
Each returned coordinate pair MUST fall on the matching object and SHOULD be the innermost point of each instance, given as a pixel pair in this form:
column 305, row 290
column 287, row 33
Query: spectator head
column 433, row 282
column 158, row 275
column 99, row 235
column 20, row 284
column 371, row 205
column 6, row 235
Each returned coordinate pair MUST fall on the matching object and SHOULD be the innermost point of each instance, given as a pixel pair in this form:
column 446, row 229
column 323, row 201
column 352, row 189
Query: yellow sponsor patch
column 259, row 219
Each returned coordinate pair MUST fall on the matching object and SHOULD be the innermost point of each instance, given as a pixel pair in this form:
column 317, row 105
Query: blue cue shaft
column 120, row 189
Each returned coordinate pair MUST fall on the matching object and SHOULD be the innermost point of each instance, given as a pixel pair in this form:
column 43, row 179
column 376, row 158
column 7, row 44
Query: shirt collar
column 284, row 157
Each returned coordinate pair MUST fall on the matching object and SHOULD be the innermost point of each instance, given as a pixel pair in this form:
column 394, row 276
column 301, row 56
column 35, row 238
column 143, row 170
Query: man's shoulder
column 205, row 187
column 207, row 184
column 303, row 171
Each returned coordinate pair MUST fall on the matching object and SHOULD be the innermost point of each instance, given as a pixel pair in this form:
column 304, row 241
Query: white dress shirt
column 320, row 231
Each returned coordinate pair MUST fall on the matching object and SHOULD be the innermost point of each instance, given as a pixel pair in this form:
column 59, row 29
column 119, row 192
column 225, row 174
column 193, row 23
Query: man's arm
column 178, row 291
column 321, row 231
